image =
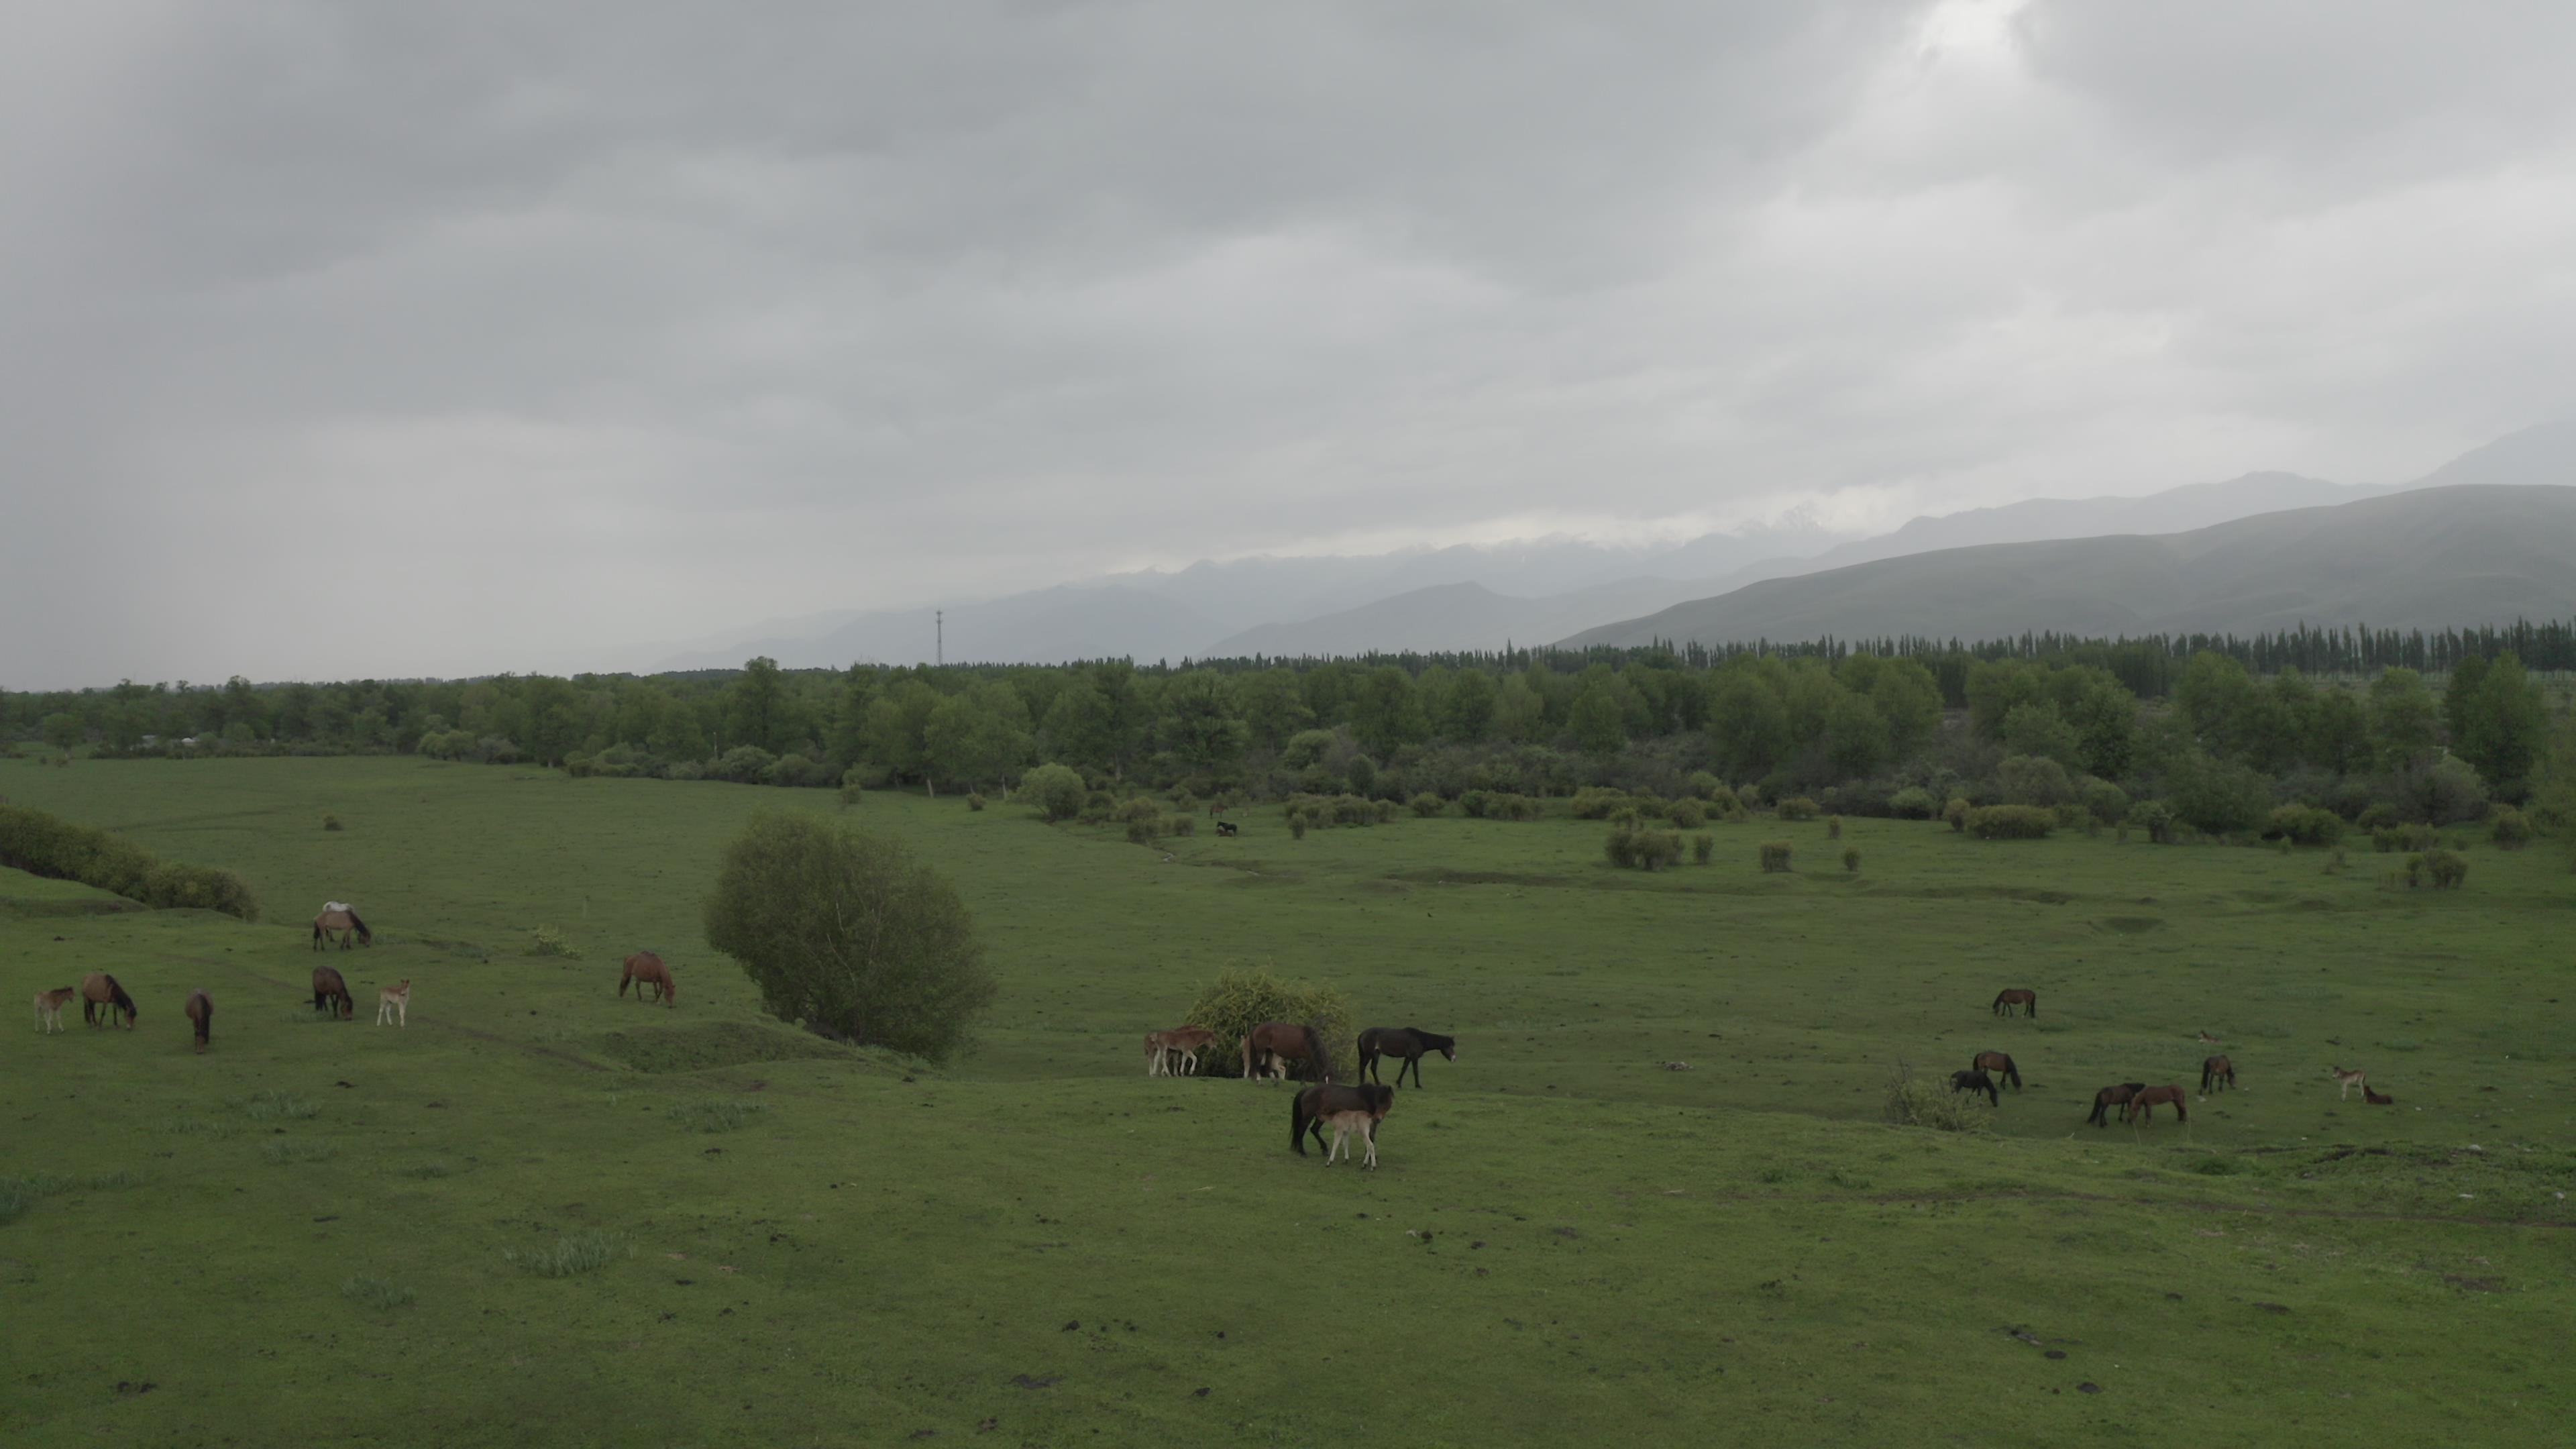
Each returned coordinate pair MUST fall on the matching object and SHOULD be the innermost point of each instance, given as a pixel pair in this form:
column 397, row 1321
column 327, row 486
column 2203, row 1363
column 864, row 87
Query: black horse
column 2110, row 1097
column 1225, row 827
column 1973, row 1080
column 1411, row 1043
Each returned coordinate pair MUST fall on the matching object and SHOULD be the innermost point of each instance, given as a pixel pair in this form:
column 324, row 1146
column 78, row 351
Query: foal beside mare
column 1350, row 1110
column 49, row 1007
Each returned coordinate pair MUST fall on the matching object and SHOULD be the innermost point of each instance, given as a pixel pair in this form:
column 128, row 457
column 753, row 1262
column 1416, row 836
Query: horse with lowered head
column 2143, row 1105
column 1273, row 1048
column 2110, row 1097
column 331, row 994
column 2001, row 1064
column 2216, row 1073
column 338, row 922
column 201, row 1015
column 1350, row 1111
column 646, row 969
column 102, row 998
column 2021, row 996
column 1973, row 1081
column 1410, row 1043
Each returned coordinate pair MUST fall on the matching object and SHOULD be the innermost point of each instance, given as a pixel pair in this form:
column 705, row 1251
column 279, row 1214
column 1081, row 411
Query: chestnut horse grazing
column 2216, row 1073
column 2000, row 1063
column 201, row 1015
column 2021, row 996
column 331, row 993
column 1276, row 1045
column 102, row 998
column 49, row 1007
column 1411, row 1043
column 2143, row 1105
column 1176, row 1052
column 341, row 924
column 646, row 969
column 1973, row 1081
column 2110, row 1097
column 1347, row 1110
column 395, row 1002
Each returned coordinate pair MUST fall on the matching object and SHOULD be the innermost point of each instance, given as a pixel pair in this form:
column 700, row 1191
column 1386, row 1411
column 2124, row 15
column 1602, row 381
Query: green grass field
column 543, row 1214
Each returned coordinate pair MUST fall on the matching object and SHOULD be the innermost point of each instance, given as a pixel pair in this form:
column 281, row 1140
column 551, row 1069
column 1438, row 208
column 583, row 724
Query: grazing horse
column 340, row 923
column 201, row 1015
column 646, row 969
column 1176, row 1052
column 2143, row 1105
column 2349, row 1080
column 2021, row 996
column 1411, row 1043
column 1973, row 1081
column 49, row 1007
column 2000, row 1062
column 1348, row 1109
column 2376, row 1099
column 1275, row 1045
column 102, row 999
column 1226, row 827
column 2110, row 1097
column 331, row 993
column 2216, row 1072
column 395, row 1002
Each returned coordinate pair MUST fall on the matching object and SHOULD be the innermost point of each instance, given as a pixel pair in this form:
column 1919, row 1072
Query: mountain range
column 1737, row 584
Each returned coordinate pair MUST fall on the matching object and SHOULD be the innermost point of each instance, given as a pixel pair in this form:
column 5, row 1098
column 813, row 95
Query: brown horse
column 645, row 969
column 201, row 1015
column 1348, row 1110
column 1175, row 1052
column 2021, row 996
column 1277, row 1045
column 49, row 1007
column 2376, row 1099
column 1411, row 1043
column 2216, row 1073
column 331, row 993
column 2000, row 1063
column 341, row 925
column 2110, row 1097
column 101, row 998
column 1972, row 1082
column 2143, row 1105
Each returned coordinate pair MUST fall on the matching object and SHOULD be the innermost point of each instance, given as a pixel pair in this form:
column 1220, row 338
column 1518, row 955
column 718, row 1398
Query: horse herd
column 2136, row 1101
column 1278, row 1049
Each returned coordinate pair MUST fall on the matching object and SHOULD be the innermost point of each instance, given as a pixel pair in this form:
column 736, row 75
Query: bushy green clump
column 571, row 1254
column 1798, row 807
column 2011, row 822
column 1240, row 999
column 1775, row 856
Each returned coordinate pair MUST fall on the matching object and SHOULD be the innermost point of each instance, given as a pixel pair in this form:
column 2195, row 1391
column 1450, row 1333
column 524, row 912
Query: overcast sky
column 344, row 340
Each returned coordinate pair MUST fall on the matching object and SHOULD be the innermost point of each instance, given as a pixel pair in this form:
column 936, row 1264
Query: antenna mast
column 939, row 636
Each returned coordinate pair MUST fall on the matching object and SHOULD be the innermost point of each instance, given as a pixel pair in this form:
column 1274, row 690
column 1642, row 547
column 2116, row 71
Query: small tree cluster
column 1427, row 805
column 2303, row 825
column 1499, row 805
column 1703, row 847
column 1642, row 847
column 1056, row 790
column 2154, row 817
column 1956, row 812
column 1798, row 807
column 1914, row 1103
column 2512, row 829
column 2445, row 869
column 1775, row 856
column 2011, row 822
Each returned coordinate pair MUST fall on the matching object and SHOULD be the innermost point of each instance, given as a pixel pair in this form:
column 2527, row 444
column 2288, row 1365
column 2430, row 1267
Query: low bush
column 1428, row 805
column 975, row 800
column 1688, row 815
column 2107, row 802
column 2303, row 825
column 1775, row 856
column 1297, row 827
column 2446, row 869
column 1056, row 791
column 1834, row 828
column 1180, row 825
column 2011, row 822
column 1240, row 999
column 1797, row 807
column 375, row 1293
column 1142, row 832
column 1642, row 847
column 550, row 942
column 1595, row 802
column 1956, row 812
column 2156, row 818
column 331, row 822
column 1851, row 859
column 712, row 1114
column 571, row 1254
column 45, row 845
column 2390, row 839
column 1913, row 803
column 1915, row 1103
column 1703, row 847
column 2512, row 830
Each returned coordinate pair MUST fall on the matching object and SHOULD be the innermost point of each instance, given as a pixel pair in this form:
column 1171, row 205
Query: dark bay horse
column 1347, row 1110
column 201, row 1015
column 102, row 998
column 1411, row 1043
column 2218, row 1071
column 331, row 993
column 341, row 925
column 1272, row 1049
column 646, row 969
column 1999, row 1062
column 2110, row 1097
column 1973, row 1081
column 2142, row 1106
column 2021, row 996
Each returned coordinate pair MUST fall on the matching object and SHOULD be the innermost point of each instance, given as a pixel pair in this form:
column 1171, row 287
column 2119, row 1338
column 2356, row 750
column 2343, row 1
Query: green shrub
column 1142, row 832
column 571, row 1254
column 2011, row 822
column 2446, row 869
column 2377, row 815
column 2390, row 839
column 1703, row 847
column 1775, row 856
column 1180, row 825
column 1834, row 828
column 1056, row 791
column 45, row 845
column 1621, row 846
column 2303, row 825
column 2107, row 802
column 1297, row 826
column 1913, row 803
column 975, row 800
column 2512, row 829
column 1240, row 999
column 1851, row 859
column 550, row 942
column 1956, row 812
column 1594, row 802
column 1688, row 815
column 1642, row 847
column 1428, row 805
column 2156, row 818
column 1797, row 807
column 1138, row 807
column 2034, row 780
column 1913, row 1103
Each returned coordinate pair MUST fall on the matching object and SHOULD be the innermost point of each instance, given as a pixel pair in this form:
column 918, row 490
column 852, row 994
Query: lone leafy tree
column 849, row 934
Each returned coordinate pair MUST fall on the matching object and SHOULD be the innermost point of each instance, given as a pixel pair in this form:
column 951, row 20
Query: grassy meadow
column 545, row 1214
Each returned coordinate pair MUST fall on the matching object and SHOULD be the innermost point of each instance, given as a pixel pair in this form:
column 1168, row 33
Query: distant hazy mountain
column 1456, row 616
column 2543, row 454
column 2425, row 558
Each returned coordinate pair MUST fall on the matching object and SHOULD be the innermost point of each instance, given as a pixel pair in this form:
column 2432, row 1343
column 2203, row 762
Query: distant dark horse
column 201, row 1014
column 1225, row 827
column 1272, row 1048
column 1411, row 1043
column 1973, row 1080
column 331, row 993
column 1999, row 1062
column 2142, row 1107
column 2218, row 1071
column 102, row 999
column 2021, row 996
column 2110, row 1097
column 1348, row 1109
column 342, row 925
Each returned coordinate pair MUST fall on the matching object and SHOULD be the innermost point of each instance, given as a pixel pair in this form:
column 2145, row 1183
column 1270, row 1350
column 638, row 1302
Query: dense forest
column 2219, row 731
